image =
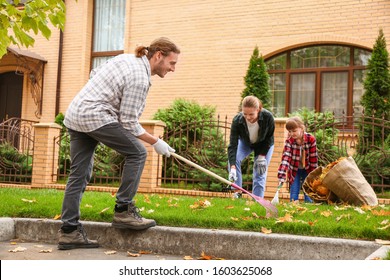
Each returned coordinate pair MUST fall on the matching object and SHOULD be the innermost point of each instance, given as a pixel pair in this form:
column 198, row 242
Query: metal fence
column 16, row 151
column 205, row 143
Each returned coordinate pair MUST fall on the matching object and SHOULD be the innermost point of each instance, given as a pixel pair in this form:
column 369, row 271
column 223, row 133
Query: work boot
column 75, row 239
column 130, row 218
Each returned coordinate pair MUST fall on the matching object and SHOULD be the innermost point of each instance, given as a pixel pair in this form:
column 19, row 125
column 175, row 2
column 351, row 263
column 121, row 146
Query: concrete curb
column 188, row 241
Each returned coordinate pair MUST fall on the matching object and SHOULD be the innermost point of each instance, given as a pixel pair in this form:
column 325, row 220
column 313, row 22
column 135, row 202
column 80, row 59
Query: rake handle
column 193, row 164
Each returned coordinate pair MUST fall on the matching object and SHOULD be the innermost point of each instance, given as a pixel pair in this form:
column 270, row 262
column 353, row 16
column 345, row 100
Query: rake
column 271, row 210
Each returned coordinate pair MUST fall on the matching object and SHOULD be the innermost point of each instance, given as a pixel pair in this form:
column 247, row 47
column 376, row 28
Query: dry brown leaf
column 266, row 230
column 110, row 252
column 255, row 215
column 147, row 199
column 312, row 223
column 203, row 256
column 326, row 213
column 286, row 218
column 229, row 207
column 18, row 249
column 113, row 194
column 144, row 252
column 380, row 212
column 134, row 255
column 47, row 250
column 314, row 211
column 382, row 242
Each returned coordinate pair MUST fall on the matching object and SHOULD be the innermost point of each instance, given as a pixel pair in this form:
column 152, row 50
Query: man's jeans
column 295, row 187
column 258, row 187
column 82, row 149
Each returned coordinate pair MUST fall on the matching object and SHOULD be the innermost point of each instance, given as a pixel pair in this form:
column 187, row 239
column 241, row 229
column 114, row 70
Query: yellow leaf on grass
column 234, row 219
column 88, row 206
column 343, row 216
column 29, row 200
column 326, row 213
column 384, row 222
column 229, row 207
column 385, row 227
column 266, row 230
column 286, row 218
column 104, row 210
column 255, row 215
column 57, row 217
column 380, row 213
column 359, row 210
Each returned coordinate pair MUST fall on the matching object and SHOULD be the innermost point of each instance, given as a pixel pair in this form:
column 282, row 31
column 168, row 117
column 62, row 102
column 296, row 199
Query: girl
column 299, row 157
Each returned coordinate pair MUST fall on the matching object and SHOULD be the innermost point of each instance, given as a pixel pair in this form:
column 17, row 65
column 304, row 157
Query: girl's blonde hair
column 251, row 101
column 162, row 44
column 294, row 122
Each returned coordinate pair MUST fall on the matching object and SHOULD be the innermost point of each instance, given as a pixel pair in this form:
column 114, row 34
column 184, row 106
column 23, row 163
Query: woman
column 252, row 130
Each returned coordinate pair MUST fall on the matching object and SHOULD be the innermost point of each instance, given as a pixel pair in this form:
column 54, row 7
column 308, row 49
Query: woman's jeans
column 258, row 187
column 82, row 149
column 295, row 187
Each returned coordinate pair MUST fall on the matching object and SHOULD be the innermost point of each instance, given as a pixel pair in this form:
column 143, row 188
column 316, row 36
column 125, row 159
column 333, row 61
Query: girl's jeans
column 295, row 187
column 258, row 187
column 82, row 149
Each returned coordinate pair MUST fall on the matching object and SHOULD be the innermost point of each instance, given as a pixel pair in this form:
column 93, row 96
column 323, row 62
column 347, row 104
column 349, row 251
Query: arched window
column 320, row 77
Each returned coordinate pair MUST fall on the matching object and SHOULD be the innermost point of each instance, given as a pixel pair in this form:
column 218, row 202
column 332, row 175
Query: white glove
column 233, row 175
column 261, row 165
column 162, row 148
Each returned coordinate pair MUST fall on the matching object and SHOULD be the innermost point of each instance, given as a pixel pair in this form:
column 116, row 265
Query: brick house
column 315, row 51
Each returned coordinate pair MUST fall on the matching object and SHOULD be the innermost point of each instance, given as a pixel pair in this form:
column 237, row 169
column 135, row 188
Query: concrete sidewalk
column 176, row 243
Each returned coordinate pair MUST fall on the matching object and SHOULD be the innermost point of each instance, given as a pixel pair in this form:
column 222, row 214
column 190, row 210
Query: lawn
column 339, row 221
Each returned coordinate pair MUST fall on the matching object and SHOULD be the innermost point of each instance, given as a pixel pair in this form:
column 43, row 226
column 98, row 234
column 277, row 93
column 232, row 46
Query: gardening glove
column 162, row 148
column 261, row 164
column 233, row 175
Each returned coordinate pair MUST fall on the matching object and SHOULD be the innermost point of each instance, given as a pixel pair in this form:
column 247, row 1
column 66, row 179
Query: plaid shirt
column 116, row 92
column 292, row 157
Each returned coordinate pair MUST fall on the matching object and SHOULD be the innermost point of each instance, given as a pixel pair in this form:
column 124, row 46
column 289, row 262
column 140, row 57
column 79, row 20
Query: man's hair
column 162, row 44
column 294, row 122
column 251, row 101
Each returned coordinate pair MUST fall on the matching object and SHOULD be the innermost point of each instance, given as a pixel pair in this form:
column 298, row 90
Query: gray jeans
column 82, row 149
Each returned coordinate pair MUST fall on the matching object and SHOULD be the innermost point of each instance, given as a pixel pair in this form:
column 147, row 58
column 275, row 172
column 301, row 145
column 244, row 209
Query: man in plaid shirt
column 107, row 110
column 299, row 157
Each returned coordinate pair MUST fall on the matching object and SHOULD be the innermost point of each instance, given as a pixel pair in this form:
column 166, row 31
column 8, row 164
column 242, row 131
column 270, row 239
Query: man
column 107, row 110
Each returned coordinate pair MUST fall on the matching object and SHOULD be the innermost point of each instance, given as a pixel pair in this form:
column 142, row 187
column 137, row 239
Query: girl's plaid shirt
column 292, row 156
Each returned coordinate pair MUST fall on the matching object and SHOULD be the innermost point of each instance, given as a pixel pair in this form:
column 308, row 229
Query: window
column 322, row 78
column 108, row 30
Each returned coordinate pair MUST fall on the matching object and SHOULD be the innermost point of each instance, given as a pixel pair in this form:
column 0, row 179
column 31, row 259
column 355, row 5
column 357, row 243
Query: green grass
column 340, row 221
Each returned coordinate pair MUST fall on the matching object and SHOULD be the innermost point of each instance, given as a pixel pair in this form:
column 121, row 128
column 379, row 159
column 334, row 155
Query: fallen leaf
column 229, row 207
column 385, row 227
column 48, row 250
column 380, row 213
column 326, row 213
column 88, row 206
column 113, row 194
column 150, row 211
column 144, row 252
column 314, row 211
column 343, row 216
column 112, row 252
column 247, row 209
column 57, row 217
column 266, row 230
column 286, row 218
column 134, row 255
column 29, row 200
column 382, row 242
column 234, row 219
column 188, row 258
column 359, row 210
column 13, row 243
column 312, row 223
column 384, row 222
column 203, row 256
column 18, row 249
column 104, row 210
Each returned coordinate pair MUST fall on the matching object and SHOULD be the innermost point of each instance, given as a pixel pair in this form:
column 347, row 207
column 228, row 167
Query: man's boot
column 130, row 218
column 75, row 239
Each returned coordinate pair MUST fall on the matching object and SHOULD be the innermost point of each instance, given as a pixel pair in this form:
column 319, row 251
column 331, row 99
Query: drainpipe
column 59, row 67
